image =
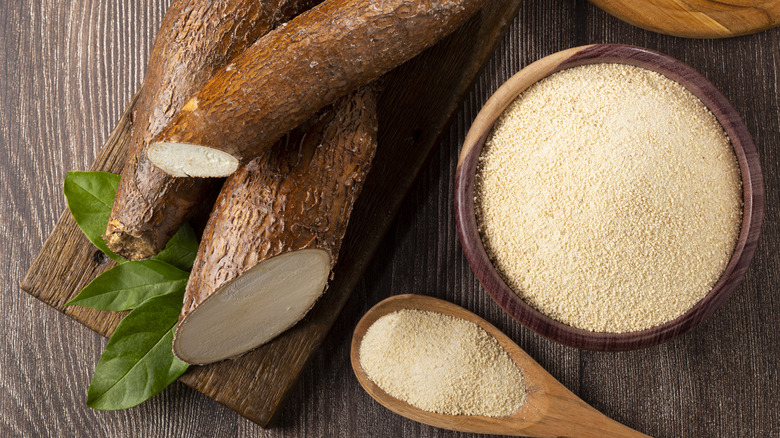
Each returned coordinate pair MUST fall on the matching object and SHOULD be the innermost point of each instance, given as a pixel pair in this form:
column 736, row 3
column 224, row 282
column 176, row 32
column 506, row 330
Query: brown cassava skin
column 196, row 39
column 299, row 195
column 291, row 73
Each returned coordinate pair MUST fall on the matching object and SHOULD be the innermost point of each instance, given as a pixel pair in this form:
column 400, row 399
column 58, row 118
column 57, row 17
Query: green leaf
column 90, row 196
column 181, row 249
column 128, row 285
column 138, row 361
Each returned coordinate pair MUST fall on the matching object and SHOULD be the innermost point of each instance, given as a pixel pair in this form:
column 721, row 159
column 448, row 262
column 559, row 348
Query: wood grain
column 549, row 409
column 411, row 118
column 744, row 150
column 70, row 67
column 696, row 18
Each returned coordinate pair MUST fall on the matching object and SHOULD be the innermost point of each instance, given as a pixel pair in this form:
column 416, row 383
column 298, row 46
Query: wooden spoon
column 549, row 410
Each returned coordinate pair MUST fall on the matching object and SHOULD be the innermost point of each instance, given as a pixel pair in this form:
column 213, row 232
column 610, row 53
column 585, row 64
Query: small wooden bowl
column 752, row 183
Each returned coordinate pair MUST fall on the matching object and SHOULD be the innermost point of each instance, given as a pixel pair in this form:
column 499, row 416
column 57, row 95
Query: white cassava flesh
column 183, row 160
column 253, row 308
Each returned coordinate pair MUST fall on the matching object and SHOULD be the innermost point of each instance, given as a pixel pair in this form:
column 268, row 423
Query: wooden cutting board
column 415, row 108
column 696, row 18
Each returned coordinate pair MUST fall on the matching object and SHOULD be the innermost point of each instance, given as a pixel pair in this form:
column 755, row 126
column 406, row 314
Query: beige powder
column 441, row 364
column 609, row 198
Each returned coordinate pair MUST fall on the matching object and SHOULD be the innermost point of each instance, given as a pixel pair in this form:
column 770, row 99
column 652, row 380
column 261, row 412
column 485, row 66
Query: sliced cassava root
column 295, row 70
column 195, row 40
column 275, row 232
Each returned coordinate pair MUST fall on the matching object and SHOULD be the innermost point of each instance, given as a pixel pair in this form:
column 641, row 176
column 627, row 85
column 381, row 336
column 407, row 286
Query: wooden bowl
column 696, row 18
column 752, row 183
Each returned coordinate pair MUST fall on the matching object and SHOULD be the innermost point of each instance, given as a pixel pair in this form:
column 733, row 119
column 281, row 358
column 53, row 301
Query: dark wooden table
column 71, row 66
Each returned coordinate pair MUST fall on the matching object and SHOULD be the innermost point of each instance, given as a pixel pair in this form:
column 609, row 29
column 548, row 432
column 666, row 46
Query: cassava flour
column 441, row 364
column 609, row 198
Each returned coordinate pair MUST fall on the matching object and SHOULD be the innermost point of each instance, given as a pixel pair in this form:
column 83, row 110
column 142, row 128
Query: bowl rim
column 713, row 99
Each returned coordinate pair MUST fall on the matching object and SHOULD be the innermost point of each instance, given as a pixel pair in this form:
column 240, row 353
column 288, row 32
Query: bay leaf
column 126, row 286
column 90, row 196
column 138, row 361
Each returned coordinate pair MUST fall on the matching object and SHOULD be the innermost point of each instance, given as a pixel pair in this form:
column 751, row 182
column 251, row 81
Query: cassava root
column 195, row 40
column 275, row 233
column 292, row 72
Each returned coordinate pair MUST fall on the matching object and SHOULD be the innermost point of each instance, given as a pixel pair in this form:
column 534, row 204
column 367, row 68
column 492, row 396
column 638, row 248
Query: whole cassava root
column 289, row 74
column 196, row 39
column 275, row 232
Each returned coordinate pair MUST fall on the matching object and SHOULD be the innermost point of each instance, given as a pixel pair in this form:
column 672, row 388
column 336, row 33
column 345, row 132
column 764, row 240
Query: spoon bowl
column 549, row 408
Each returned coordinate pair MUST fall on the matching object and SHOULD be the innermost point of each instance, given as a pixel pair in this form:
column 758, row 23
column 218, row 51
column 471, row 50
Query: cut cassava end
column 274, row 295
column 294, row 71
column 182, row 160
column 275, row 233
column 196, row 39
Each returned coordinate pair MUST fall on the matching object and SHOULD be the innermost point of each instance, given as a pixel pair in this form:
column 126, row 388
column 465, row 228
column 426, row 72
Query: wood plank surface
column 70, row 67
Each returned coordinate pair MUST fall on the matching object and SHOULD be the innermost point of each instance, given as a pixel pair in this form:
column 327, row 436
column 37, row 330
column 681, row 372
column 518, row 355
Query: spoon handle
column 567, row 412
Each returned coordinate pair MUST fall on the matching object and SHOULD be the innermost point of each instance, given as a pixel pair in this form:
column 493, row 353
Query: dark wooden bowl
column 753, row 197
